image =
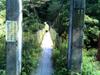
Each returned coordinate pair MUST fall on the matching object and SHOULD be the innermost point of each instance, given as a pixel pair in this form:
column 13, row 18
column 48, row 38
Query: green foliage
column 93, row 8
column 59, row 60
column 31, row 53
column 2, row 4
column 31, row 20
column 36, row 3
column 91, row 32
column 2, row 72
column 2, row 53
column 31, row 49
column 2, row 42
column 54, row 7
column 59, row 17
column 92, row 20
column 89, row 66
column 36, row 26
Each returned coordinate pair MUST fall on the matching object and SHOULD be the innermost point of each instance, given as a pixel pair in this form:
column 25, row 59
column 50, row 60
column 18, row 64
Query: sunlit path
column 45, row 64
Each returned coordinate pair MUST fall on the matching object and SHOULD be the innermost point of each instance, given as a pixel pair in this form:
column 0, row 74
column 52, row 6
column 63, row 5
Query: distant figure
column 64, row 36
column 46, row 27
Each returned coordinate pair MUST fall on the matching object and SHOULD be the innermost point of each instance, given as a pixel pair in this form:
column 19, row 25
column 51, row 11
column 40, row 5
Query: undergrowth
column 89, row 65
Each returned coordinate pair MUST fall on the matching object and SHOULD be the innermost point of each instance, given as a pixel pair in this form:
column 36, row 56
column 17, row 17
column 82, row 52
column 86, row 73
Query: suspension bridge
column 14, row 39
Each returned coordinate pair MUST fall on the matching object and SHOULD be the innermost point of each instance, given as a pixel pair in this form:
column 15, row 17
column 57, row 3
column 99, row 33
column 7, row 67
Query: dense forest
column 56, row 14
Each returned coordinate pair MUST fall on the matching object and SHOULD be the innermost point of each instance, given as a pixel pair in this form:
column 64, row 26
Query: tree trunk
column 98, row 53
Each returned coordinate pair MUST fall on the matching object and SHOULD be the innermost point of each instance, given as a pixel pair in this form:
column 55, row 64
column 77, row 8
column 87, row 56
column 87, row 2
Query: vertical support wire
column 69, row 55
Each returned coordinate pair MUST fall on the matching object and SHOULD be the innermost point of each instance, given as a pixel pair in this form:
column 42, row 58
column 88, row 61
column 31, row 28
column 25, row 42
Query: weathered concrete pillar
column 13, row 36
column 77, row 10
